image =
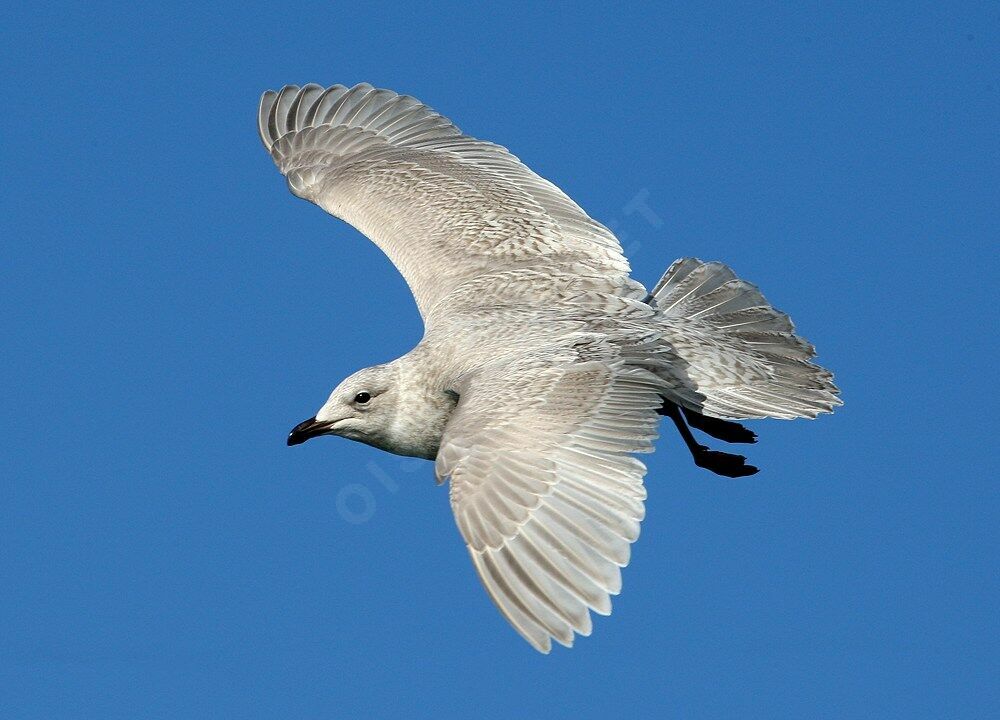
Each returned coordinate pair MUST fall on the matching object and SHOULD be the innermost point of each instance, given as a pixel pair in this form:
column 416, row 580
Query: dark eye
column 362, row 397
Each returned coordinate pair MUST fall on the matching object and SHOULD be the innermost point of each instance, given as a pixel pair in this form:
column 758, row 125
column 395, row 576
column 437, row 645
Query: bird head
column 361, row 408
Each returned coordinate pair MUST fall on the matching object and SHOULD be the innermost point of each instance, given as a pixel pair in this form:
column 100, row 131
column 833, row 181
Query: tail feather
column 753, row 320
column 729, row 297
column 747, row 361
column 688, row 278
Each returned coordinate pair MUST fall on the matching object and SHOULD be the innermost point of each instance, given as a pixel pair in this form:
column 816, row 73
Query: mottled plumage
column 543, row 365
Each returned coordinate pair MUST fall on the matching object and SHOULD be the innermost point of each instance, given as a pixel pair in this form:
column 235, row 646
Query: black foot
column 720, row 429
column 722, row 463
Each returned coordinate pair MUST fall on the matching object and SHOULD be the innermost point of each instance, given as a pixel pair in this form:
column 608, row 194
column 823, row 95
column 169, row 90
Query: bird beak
column 308, row 429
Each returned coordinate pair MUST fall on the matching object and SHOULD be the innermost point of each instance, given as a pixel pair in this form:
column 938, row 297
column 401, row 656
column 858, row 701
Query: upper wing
column 443, row 206
column 544, row 489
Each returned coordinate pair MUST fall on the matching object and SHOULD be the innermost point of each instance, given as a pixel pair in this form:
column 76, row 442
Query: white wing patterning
column 443, row 206
column 544, row 488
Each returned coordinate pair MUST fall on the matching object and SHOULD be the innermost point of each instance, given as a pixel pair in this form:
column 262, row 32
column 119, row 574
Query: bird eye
column 362, row 397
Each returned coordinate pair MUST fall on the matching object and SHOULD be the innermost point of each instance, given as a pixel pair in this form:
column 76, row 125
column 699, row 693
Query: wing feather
column 445, row 207
column 544, row 488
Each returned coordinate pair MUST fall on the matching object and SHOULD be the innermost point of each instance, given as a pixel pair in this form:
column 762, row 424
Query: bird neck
column 422, row 410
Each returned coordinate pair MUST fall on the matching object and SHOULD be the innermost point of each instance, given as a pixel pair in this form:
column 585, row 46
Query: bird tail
column 743, row 356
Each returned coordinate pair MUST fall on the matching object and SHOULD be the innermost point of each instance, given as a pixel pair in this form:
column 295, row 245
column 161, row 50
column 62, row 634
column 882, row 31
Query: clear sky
column 168, row 311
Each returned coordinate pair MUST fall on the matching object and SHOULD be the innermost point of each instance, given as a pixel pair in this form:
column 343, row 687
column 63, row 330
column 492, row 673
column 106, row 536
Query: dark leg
column 721, row 463
column 726, row 430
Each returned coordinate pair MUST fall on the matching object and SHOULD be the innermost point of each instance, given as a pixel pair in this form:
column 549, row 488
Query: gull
column 544, row 368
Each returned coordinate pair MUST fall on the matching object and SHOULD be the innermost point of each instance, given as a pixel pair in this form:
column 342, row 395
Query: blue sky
column 168, row 312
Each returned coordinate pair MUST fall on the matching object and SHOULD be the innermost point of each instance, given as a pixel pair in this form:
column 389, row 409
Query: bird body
column 544, row 367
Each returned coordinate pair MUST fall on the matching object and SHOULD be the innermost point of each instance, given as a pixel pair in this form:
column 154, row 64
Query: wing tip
column 295, row 107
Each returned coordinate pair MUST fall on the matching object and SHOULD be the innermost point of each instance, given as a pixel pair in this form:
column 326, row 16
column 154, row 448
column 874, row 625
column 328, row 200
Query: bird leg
column 727, row 430
column 721, row 463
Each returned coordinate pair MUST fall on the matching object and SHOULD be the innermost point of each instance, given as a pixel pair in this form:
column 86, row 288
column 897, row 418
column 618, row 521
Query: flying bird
column 543, row 367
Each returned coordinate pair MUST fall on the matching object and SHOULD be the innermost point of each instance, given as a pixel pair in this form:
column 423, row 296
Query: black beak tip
column 306, row 429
